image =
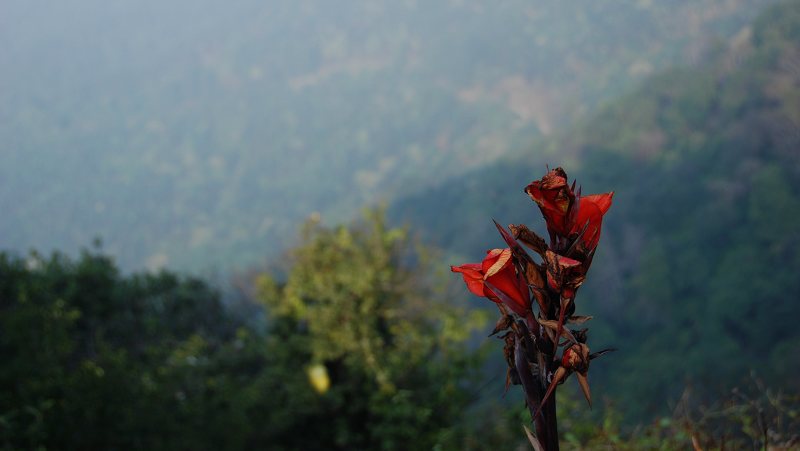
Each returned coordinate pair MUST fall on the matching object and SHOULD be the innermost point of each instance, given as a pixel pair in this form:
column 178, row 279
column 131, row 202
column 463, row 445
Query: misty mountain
column 197, row 134
column 700, row 250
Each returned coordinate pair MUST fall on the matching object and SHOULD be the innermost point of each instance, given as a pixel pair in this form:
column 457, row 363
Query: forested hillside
column 197, row 134
column 356, row 348
column 696, row 277
column 337, row 358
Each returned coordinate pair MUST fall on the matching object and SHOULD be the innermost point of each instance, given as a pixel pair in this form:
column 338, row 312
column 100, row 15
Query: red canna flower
column 589, row 211
column 496, row 279
column 567, row 214
column 511, row 277
column 554, row 197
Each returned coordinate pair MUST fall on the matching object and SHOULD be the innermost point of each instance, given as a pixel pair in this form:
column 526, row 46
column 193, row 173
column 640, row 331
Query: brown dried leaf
column 508, row 348
column 502, row 324
column 542, row 299
column 558, row 268
column 527, row 237
column 597, row 354
column 574, row 280
column 519, row 251
column 565, row 302
column 558, row 377
column 535, row 276
column 534, row 441
column 584, row 383
column 552, row 325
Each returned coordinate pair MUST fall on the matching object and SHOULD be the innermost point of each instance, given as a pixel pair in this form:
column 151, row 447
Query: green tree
column 93, row 359
column 358, row 308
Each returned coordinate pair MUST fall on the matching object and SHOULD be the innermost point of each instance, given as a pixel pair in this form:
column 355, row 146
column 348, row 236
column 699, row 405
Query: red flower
column 554, row 197
column 496, row 279
column 567, row 214
column 588, row 212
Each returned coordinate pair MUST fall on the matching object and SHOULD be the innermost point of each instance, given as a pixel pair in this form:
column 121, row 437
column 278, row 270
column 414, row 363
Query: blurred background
column 228, row 226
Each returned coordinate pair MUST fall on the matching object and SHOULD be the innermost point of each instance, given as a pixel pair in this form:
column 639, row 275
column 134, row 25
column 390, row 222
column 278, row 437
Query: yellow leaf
column 318, row 377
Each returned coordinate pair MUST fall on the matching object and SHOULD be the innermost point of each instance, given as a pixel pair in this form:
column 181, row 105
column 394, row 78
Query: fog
column 198, row 134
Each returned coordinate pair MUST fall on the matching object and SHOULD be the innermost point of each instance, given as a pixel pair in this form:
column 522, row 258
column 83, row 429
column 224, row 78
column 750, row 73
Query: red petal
column 520, row 308
column 473, row 277
column 603, row 201
column 588, row 213
column 498, row 270
column 566, row 262
column 508, row 283
column 496, row 260
column 466, row 267
column 554, row 197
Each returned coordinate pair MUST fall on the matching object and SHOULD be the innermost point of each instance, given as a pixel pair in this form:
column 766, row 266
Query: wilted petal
column 534, row 274
column 557, row 268
column 576, row 358
column 526, row 236
column 554, row 197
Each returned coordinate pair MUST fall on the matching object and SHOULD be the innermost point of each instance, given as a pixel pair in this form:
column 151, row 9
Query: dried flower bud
column 522, row 233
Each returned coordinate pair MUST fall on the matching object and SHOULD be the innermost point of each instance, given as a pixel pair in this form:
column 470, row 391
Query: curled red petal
column 603, row 201
column 496, row 278
column 473, row 277
column 554, row 197
column 513, row 303
column 496, row 260
column 588, row 216
column 499, row 272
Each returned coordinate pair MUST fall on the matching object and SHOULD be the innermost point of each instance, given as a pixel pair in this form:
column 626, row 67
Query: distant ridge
column 701, row 244
column 197, row 135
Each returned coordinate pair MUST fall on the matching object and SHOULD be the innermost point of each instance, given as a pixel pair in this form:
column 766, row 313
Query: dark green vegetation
column 93, row 359
column 696, row 280
column 197, row 135
column 355, row 350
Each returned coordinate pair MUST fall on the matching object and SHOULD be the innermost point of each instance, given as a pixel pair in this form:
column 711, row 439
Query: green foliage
column 87, row 352
column 750, row 418
column 94, row 359
column 358, row 302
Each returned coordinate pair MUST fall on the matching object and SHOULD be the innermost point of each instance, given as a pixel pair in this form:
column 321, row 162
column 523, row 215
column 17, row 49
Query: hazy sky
column 197, row 133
